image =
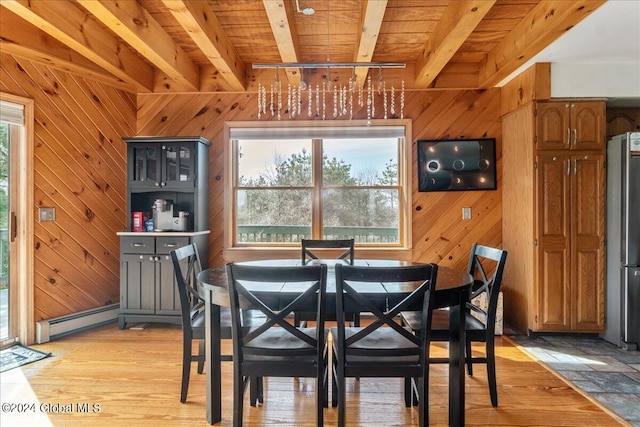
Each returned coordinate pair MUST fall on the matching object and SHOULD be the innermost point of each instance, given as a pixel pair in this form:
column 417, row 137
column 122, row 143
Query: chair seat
column 250, row 319
column 278, row 339
column 380, row 339
column 439, row 321
column 384, row 340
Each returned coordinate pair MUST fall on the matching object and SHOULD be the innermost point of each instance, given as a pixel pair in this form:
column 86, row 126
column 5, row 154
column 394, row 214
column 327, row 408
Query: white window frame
column 309, row 129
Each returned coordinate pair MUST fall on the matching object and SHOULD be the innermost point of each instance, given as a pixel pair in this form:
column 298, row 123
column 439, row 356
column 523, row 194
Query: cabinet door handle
column 575, row 167
column 575, row 136
column 568, row 167
column 170, row 245
column 138, row 245
column 568, row 136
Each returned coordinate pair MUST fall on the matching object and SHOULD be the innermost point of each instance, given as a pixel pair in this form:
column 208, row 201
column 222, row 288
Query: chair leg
column 260, row 382
column 253, row 391
column 186, row 368
column 239, row 384
column 408, row 392
column 469, row 359
column 491, row 372
column 321, row 396
column 423, row 399
column 340, row 384
column 201, row 356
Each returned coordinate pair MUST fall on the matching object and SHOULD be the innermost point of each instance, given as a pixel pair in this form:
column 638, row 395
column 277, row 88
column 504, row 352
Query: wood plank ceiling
column 159, row 46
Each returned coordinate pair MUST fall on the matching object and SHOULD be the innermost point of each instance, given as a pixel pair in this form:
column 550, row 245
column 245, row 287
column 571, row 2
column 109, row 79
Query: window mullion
column 316, row 197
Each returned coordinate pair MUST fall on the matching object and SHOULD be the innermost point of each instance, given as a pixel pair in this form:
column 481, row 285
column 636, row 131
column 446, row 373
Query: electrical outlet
column 466, row 213
column 47, row 214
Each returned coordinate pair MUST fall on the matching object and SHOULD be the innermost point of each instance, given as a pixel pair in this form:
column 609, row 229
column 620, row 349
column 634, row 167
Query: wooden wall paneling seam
column 67, row 213
column 86, row 119
column 108, row 100
column 56, row 142
column 61, row 116
column 452, row 231
column 121, row 123
column 66, row 288
column 145, row 105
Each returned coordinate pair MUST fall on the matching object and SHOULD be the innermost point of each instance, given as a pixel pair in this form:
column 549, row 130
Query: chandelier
column 330, row 99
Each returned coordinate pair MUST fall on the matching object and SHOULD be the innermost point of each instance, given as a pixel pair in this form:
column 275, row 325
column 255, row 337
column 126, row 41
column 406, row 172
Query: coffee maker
column 162, row 215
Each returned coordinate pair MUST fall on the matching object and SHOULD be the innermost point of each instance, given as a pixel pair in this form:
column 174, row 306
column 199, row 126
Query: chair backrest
column 347, row 244
column 486, row 265
column 351, row 280
column 306, row 291
column 186, row 266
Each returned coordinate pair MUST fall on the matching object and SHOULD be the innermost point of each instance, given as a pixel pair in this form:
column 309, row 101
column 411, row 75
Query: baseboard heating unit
column 47, row 330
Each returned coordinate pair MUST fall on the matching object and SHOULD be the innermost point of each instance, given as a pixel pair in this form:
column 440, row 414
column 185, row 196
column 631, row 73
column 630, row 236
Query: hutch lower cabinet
column 148, row 288
column 554, row 217
column 167, row 183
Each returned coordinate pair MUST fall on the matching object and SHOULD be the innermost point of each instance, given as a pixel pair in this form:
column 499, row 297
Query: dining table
column 452, row 291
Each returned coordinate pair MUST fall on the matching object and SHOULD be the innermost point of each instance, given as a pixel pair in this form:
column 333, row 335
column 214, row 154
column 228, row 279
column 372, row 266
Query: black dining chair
column 383, row 348
column 486, row 265
column 186, row 266
column 347, row 245
column 277, row 348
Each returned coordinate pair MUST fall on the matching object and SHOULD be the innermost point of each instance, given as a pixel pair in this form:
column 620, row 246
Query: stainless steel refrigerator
column 623, row 241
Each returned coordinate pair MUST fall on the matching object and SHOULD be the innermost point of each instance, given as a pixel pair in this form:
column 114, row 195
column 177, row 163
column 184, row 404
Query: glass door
column 5, row 324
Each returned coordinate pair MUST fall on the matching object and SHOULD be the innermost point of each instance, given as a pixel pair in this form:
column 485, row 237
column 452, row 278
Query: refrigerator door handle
column 630, row 266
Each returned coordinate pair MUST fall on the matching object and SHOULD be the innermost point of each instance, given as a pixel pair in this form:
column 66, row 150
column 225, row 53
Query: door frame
column 22, row 255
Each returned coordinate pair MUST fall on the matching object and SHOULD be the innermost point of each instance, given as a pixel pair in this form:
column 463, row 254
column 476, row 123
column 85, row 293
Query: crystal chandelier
column 329, row 99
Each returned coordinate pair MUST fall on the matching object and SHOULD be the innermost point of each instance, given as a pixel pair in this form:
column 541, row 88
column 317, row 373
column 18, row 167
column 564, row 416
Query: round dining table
column 452, row 291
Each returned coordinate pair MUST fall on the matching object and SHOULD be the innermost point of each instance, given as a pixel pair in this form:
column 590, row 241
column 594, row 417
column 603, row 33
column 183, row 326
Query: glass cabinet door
column 179, row 164
column 146, row 164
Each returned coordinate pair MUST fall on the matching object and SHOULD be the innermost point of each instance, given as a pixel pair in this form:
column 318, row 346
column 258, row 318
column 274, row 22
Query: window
column 318, row 182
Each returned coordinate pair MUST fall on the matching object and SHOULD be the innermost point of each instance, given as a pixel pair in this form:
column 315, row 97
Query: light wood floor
column 134, row 377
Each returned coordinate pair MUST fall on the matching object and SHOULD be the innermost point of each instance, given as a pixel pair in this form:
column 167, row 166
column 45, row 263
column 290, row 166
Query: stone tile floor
column 608, row 373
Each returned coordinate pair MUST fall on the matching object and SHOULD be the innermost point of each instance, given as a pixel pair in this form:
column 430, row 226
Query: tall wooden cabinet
column 553, row 216
column 174, row 169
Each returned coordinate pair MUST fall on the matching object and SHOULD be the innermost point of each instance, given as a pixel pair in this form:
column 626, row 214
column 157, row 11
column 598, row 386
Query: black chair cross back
column 383, row 348
column 277, row 348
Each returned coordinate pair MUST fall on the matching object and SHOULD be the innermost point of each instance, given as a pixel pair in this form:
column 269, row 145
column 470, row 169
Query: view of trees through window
column 276, row 187
column 4, row 204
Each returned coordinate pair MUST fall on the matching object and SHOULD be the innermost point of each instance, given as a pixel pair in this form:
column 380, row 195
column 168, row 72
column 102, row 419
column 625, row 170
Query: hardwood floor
column 134, row 377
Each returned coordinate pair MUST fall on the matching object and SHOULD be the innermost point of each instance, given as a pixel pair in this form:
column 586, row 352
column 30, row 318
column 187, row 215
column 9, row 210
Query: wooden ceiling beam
column 140, row 30
column 545, row 23
column 65, row 22
column 24, row 40
column 285, row 32
column 458, row 21
column 202, row 25
column 370, row 22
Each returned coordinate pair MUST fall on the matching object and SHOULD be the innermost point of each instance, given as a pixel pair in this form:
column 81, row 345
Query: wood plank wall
column 79, row 169
column 439, row 234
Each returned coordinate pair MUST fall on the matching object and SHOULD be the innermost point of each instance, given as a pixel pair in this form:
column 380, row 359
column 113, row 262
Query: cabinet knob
column 162, row 184
column 157, row 184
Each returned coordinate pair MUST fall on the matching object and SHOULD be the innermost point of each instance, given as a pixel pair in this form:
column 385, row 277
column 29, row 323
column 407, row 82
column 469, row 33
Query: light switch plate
column 47, row 214
column 466, row 213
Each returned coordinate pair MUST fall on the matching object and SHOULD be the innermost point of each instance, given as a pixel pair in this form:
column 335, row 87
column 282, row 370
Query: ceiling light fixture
column 343, row 95
column 306, row 11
